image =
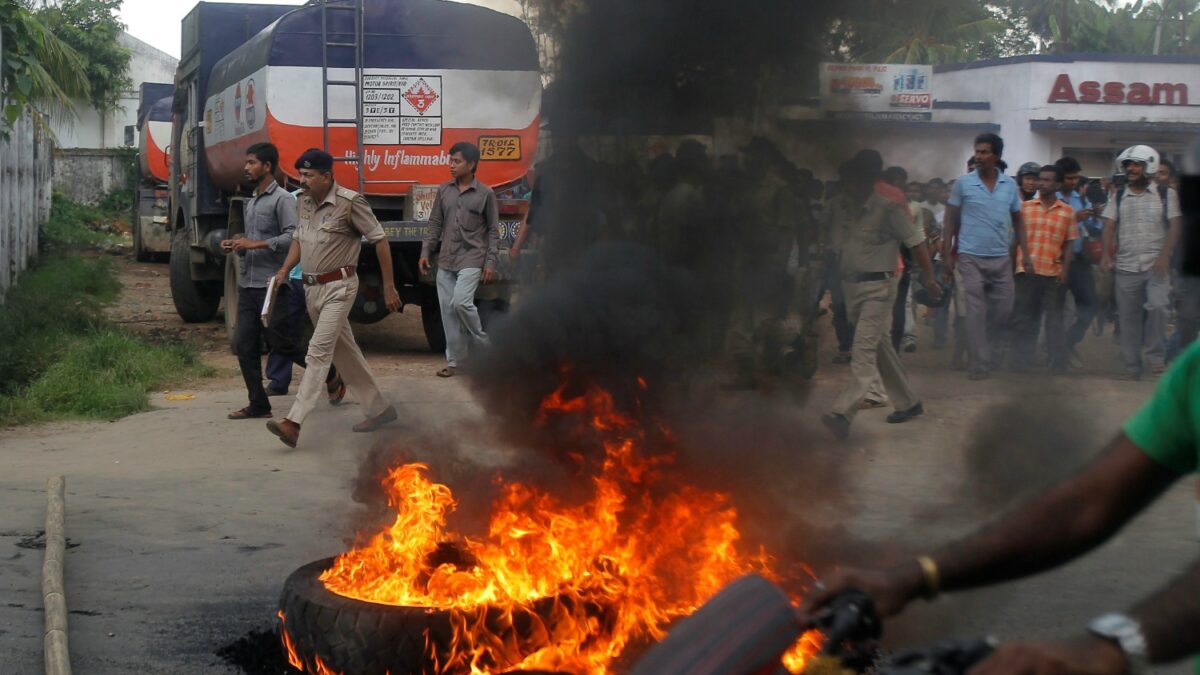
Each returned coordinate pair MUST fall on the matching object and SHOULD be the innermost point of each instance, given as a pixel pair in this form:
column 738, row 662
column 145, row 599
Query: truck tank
column 434, row 72
column 154, row 142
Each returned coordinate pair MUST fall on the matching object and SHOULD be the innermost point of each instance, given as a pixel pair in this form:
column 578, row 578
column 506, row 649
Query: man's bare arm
column 1107, row 237
column 383, row 253
column 1170, row 618
column 1068, row 520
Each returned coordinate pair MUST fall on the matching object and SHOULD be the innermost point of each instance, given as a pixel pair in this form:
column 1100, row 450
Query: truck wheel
column 196, row 302
column 431, row 321
column 140, row 253
column 233, row 270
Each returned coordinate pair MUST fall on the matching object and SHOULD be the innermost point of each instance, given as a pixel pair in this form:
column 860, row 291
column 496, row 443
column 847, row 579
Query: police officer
column 868, row 222
column 332, row 222
column 762, row 248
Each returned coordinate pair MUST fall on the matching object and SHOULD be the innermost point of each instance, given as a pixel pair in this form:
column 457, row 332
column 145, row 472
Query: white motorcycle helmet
column 1138, row 153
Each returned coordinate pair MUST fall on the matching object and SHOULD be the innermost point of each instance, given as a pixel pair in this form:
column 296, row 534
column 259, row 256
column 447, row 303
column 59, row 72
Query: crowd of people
column 1022, row 267
column 991, row 262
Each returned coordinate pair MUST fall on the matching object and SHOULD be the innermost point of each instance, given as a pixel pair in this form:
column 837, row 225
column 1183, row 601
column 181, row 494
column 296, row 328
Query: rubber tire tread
column 191, row 302
column 431, row 321
column 353, row 637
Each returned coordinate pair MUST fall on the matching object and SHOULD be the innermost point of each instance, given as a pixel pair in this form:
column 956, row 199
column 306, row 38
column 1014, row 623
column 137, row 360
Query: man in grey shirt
column 465, row 224
column 270, row 220
column 1143, row 223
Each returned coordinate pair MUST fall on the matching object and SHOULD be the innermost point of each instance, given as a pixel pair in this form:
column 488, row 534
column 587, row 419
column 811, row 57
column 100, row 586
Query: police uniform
column 763, row 284
column 330, row 234
column 868, row 236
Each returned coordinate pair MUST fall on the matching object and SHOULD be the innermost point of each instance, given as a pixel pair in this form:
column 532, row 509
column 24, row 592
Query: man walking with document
column 270, row 220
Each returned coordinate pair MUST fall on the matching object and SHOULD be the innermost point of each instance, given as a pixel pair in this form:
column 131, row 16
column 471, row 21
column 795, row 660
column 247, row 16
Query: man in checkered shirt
column 1051, row 232
column 1144, row 240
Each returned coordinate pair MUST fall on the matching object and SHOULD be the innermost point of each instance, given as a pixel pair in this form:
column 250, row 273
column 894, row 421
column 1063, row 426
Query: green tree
column 40, row 72
column 930, row 32
column 92, row 29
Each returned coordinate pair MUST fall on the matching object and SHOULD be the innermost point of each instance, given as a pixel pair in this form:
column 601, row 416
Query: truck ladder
column 327, row 45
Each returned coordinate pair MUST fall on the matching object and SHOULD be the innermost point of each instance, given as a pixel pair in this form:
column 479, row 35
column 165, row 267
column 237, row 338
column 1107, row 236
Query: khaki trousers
column 333, row 343
column 869, row 308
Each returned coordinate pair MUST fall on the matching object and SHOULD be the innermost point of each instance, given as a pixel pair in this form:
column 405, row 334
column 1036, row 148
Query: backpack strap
column 1162, row 194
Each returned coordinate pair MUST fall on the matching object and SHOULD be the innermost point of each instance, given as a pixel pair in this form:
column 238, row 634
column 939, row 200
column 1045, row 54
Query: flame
column 317, row 666
column 556, row 585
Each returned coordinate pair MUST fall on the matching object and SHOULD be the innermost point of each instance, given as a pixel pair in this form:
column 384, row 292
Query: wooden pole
column 54, row 599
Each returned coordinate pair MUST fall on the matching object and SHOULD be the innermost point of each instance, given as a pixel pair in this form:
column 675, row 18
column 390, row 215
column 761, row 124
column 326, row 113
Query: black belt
column 863, row 277
column 318, row 279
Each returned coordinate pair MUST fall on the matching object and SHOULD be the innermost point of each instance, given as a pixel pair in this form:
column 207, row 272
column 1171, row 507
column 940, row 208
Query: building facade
column 1044, row 106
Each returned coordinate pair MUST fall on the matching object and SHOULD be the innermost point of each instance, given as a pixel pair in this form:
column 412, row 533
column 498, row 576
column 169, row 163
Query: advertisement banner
column 887, row 91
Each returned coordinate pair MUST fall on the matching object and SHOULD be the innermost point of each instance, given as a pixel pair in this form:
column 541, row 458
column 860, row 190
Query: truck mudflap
column 151, row 225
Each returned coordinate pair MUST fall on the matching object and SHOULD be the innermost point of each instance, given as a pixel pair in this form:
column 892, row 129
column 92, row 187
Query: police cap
column 316, row 159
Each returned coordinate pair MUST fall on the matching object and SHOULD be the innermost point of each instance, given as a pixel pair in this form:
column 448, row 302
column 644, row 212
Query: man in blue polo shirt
column 982, row 214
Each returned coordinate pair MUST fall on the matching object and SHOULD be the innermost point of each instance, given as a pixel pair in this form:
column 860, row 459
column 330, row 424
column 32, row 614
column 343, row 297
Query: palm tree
column 41, row 74
column 938, row 31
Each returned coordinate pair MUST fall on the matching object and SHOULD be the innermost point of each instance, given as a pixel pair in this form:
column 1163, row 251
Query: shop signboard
column 881, row 91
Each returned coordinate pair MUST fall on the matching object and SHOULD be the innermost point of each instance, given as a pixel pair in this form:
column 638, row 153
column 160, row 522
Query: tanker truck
column 151, row 219
column 386, row 87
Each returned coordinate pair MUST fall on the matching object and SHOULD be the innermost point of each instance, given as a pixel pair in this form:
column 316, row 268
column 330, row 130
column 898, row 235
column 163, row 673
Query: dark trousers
column 900, row 306
column 841, row 321
column 1038, row 295
column 1081, row 282
column 279, row 366
column 249, row 338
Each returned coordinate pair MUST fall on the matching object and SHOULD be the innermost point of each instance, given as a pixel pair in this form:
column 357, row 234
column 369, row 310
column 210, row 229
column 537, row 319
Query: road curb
column 54, row 599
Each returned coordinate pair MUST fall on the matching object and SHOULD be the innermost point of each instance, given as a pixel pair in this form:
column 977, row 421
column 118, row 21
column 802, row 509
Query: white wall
column 1017, row 93
column 92, row 130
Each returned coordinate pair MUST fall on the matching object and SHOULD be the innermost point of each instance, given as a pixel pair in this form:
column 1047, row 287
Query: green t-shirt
column 1168, row 427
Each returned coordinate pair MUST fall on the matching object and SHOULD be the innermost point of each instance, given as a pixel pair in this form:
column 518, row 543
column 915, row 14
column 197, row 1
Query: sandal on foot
column 245, row 414
column 337, row 391
column 447, row 372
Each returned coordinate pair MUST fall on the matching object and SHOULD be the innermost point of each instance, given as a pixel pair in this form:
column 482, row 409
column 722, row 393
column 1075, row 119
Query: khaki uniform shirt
column 771, row 223
column 330, row 233
column 869, row 234
column 467, row 225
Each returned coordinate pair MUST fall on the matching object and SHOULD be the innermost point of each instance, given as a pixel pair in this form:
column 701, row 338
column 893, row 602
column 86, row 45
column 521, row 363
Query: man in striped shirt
column 1051, row 233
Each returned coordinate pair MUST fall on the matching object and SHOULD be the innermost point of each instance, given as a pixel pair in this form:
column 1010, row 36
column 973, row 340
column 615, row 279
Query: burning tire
column 352, row 637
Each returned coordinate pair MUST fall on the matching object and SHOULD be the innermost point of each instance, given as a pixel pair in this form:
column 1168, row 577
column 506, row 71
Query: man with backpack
column 1143, row 222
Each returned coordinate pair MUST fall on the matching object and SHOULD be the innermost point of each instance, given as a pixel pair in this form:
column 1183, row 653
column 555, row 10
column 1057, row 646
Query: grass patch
column 75, row 227
column 60, row 359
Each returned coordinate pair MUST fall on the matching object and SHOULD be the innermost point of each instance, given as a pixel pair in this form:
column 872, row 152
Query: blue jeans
column 460, row 317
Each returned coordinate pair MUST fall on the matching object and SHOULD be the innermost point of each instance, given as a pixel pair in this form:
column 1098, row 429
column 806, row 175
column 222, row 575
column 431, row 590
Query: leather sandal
column 386, row 417
column 337, row 391
column 447, row 372
column 287, row 431
column 245, row 414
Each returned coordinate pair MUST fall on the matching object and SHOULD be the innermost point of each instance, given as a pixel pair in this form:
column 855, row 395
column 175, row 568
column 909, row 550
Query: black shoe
column 901, row 416
column 838, row 425
column 272, row 391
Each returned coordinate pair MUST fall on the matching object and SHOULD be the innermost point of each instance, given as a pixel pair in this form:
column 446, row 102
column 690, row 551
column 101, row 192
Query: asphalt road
column 184, row 525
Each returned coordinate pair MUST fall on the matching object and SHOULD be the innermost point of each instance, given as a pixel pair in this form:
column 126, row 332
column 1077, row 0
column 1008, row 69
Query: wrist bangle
column 931, row 579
